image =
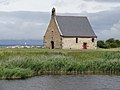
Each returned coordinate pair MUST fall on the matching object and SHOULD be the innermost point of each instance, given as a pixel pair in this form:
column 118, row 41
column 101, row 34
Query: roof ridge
column 70, row 16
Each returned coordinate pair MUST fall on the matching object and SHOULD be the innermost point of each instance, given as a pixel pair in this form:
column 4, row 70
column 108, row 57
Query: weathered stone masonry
column 69, row 32
column 52, row 34
column 70, row 43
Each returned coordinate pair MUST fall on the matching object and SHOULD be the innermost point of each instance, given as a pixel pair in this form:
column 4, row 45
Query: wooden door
column 84, row 45
column 52, row 44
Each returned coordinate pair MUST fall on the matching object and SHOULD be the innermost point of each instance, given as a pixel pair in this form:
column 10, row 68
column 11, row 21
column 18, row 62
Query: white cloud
column 22, row 30
column 93, row 7
column 27, row 5
column 14, row 26
column 108, row 1
column 19, row 25
column 6, row 2
column 73, row 6
column 59, row 3
column 113, row 32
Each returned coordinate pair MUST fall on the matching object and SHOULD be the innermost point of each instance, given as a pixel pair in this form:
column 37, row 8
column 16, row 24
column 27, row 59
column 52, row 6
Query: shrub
column 110, row 43
column 15, row 73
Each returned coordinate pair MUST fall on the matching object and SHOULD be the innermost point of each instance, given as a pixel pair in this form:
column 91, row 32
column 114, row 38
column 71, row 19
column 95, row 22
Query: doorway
column 52, row 44
column 84, row 45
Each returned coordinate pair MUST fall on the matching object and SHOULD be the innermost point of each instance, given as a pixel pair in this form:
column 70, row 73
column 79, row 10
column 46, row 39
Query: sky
column 28, row 19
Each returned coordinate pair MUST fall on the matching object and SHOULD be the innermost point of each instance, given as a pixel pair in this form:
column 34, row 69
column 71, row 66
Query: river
column 63, row 82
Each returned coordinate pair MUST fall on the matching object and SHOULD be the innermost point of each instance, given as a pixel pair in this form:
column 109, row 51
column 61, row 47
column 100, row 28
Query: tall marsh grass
column 22, row 63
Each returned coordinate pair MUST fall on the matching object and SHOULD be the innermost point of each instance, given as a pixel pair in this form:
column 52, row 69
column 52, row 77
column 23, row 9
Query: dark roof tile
column 75, row 26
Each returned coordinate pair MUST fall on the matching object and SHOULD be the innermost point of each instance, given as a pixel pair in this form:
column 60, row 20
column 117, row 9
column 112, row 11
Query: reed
column 22, row 63
column 15, row 73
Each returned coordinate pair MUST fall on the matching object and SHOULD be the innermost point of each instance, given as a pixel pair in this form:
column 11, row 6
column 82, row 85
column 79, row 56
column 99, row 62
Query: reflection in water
column 63, row 82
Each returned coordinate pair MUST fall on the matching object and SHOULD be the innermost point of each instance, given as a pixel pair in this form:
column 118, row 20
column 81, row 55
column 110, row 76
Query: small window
column 93, row 39
column 52, row 32
column 76, row 40
column 61, row 45
column 52, row 38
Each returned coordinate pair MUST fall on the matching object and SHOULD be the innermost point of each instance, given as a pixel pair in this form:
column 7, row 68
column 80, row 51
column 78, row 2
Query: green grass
column 22, row 63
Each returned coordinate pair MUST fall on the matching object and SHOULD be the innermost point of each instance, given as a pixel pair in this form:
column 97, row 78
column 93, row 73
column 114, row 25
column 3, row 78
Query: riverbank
column 23, row 63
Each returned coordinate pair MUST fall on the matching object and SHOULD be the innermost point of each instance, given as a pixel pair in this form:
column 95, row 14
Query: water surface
column 21, row 42
column 63, row 82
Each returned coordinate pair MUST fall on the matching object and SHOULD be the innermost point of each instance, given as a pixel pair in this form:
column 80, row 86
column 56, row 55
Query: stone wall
column 70, row 43
column 52, row 34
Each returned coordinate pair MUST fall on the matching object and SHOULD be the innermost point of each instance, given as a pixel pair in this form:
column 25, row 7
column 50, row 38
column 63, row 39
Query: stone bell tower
column 52, row 37
column 53, row 12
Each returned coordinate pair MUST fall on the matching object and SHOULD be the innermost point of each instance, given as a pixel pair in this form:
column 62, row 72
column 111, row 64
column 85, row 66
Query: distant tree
column 101, row 44
column 110, row 43
column 111, row 40
column 118, row 43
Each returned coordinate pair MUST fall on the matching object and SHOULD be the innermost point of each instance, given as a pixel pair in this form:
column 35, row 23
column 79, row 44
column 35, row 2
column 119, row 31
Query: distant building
column 69, row 32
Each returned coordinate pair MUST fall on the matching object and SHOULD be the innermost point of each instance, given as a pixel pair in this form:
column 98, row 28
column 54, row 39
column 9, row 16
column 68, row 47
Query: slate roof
column 75, row 26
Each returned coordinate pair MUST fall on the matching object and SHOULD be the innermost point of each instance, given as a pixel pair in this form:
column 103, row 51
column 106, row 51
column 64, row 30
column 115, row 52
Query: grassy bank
column 23, row 63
